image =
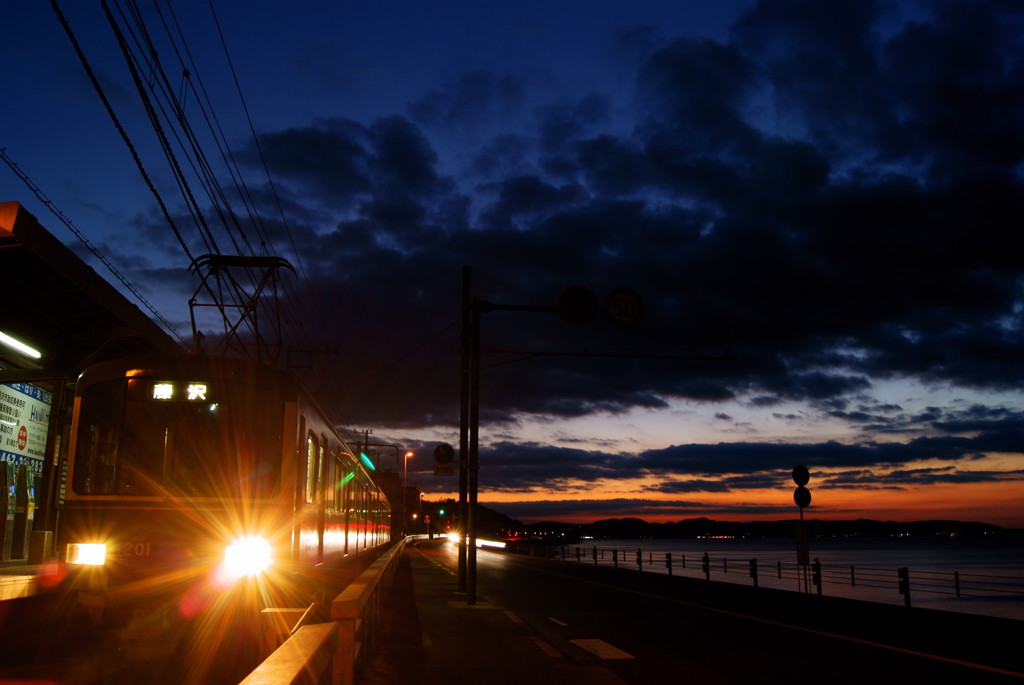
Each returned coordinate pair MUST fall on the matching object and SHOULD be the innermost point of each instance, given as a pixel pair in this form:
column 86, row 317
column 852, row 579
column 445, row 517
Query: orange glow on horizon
column 996, row 503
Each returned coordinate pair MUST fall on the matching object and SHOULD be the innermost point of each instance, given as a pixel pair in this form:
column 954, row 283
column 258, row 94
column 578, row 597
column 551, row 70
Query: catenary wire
column 37, row 191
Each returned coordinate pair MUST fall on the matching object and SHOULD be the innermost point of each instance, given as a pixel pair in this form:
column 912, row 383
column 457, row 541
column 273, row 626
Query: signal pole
column 577, row 306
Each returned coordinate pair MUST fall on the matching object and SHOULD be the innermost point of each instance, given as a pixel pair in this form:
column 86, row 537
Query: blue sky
column 828, row 190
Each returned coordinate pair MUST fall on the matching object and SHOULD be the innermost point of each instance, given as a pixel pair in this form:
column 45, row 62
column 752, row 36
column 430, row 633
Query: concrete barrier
column 357, row 612
column 303, row 659
column 323, row 653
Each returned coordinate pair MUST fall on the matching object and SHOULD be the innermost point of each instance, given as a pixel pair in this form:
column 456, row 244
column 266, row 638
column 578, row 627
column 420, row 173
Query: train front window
column 134, row 442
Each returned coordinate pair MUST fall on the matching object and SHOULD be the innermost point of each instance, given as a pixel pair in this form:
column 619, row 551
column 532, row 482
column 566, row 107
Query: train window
column 320, row 469
column 98, row 432
column 339, row 484
column 130, row 445
column 310, row 467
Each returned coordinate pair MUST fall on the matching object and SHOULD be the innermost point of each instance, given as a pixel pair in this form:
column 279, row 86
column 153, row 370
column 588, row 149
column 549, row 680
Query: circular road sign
column 801, row 475
column 802, row 497
column 577, row 305
column 623, row 307
column 444, row 453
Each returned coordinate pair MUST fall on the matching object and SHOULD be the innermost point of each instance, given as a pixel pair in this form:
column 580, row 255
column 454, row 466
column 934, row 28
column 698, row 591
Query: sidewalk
column 430, row 635
column 17, row 579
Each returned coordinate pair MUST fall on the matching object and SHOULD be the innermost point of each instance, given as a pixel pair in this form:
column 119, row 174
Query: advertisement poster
column 24, row 420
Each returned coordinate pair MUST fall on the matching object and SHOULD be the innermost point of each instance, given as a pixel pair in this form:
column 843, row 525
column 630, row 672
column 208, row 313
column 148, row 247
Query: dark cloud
column 474, row 98
column 832, row 195
column 330, row 160
column 509, row 466
column 821, row 256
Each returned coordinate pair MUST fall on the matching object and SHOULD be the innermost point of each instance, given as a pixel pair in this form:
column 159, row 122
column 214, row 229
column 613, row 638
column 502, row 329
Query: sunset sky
column 829, row 191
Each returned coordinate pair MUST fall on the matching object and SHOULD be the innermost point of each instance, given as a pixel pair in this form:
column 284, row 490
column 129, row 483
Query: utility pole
column 465, row 382
column 577, row 306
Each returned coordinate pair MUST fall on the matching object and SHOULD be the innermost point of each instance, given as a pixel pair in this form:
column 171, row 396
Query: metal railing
column 323, row 653
column 814, row 577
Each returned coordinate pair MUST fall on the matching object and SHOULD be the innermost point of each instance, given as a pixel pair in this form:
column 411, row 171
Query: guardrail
column 816, row 574
column 323, row 653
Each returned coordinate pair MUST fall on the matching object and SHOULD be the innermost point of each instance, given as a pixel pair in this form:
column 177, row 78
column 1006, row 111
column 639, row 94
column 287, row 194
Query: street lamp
column 405, row 489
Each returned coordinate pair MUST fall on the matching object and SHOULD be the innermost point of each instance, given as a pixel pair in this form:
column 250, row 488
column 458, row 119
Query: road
column 541, row 622
column 646, row 628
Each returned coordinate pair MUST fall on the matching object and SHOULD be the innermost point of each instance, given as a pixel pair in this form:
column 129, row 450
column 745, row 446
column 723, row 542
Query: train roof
column 186, row 364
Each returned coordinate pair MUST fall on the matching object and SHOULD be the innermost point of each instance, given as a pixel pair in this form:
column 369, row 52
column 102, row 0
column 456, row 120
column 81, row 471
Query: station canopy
column 58, row 305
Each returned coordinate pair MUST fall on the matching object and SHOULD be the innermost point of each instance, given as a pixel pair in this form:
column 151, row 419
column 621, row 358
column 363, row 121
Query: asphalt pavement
column 431, row 634
column 537, row 621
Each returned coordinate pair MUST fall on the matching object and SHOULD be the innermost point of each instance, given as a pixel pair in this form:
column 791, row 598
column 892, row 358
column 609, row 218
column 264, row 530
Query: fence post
column 725, row 564
column 956, row 581
column 668, row 562
column 683, row 559
column 577, row 555
column 816, row 575
column 595, row 556
column 904, row 575
column 707, row 567
column 780, row 570
column 615, row 558
column 853, row 578
column 753, row 570
column 640, row 560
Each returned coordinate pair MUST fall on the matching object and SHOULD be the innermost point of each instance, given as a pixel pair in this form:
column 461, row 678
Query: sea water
column 990, row 568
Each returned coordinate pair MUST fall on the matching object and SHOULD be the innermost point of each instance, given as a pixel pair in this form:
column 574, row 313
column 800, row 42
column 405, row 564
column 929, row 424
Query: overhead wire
column 117, row 124
column 191, row 78
column 155, row 122
column 192, row 151
column 134, row 63
column 193, row 75
column 88, row 245
column 287, row 304
column 167, row 105
column 266, row 168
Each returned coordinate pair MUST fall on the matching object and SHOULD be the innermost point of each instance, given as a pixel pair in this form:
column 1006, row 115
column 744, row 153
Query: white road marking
column 602, row 650
column 879, row 645
column 557, row 622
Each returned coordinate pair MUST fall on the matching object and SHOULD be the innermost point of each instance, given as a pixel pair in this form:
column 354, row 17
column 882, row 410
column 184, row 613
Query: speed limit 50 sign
column 623, row 307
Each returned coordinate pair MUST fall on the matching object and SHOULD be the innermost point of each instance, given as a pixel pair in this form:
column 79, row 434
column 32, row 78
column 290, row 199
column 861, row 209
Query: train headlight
column 87, row 554
column 248, row 556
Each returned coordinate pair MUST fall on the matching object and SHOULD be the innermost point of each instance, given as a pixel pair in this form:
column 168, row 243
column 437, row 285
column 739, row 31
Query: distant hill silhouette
column 632, row 528
column 492, row 524
column 703, row 527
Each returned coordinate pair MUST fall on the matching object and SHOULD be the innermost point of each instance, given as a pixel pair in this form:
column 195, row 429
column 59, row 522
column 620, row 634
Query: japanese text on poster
column 24, row 420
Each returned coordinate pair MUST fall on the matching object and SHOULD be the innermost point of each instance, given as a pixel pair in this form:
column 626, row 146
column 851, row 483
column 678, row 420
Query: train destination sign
column 170, row 390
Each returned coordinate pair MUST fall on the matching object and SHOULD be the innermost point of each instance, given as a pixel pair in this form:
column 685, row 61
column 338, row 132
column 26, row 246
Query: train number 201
column 138, row 549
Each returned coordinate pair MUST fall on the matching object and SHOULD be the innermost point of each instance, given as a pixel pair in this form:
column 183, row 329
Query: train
column 192, row 478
